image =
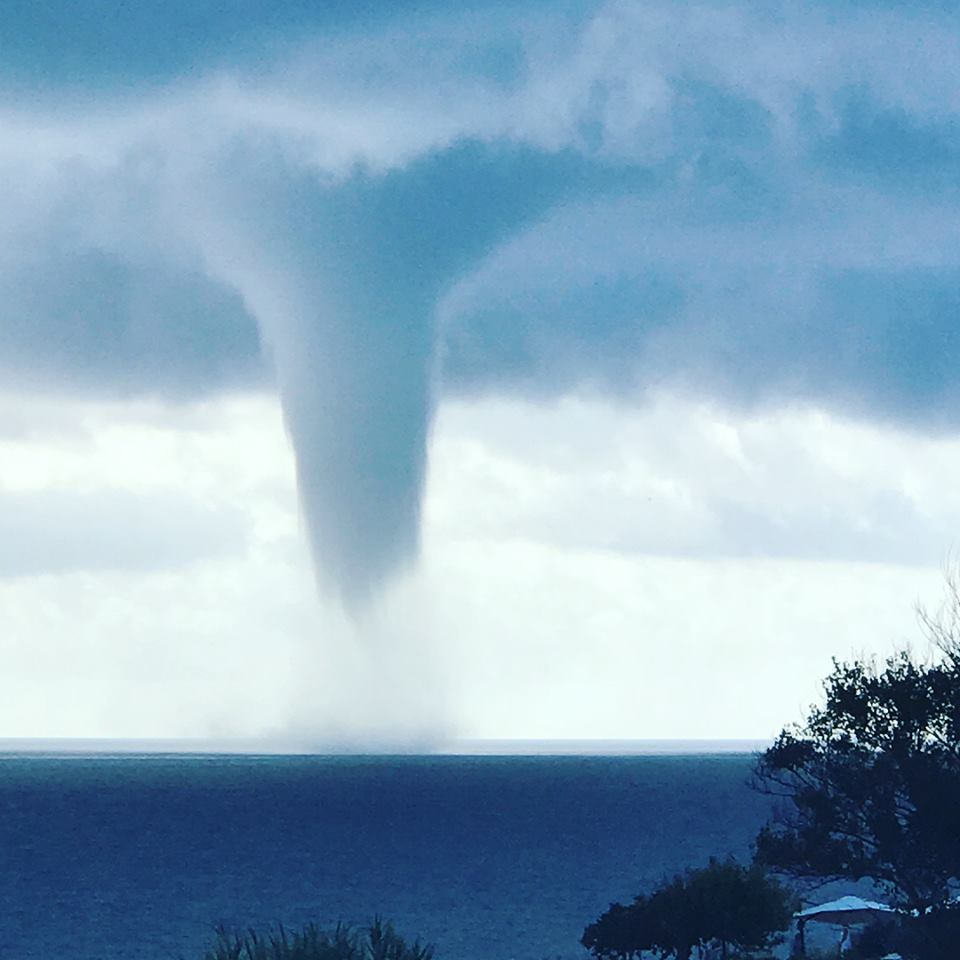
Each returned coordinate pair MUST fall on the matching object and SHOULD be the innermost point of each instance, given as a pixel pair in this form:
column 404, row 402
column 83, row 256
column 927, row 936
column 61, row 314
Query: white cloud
column 587, row 585
column 679, row 478
column 552, row 601
column 546, row 643
column 61, row 531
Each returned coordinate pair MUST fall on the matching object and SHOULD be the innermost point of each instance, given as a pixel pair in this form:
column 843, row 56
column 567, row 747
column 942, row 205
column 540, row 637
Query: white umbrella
column 844, row 911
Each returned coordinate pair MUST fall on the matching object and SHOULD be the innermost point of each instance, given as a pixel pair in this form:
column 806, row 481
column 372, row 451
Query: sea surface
column 487, row 857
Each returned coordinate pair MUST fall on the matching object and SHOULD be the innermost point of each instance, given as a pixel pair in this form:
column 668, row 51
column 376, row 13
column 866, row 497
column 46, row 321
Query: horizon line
column 458, row 747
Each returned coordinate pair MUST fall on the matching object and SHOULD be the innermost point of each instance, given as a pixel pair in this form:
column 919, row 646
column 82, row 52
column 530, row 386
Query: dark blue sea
column 489, row 858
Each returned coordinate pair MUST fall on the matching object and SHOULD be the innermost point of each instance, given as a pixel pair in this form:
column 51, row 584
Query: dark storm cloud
column 759, row 206
column 100, row 325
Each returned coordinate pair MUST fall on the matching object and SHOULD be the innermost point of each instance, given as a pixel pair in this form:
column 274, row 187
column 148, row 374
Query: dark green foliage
column 872, row 780
column 723, row 904
column 377, row 942
column 934, row 936
column 931, row 936
column 877, row 939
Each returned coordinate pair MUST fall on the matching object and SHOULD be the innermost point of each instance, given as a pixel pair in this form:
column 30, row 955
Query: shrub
column 379, row 941
column 738, row 910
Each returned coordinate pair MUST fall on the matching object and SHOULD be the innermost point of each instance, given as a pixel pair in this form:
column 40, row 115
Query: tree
column 871, row 779
column 723, row 904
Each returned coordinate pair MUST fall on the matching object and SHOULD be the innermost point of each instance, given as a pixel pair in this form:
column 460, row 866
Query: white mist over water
column 379, row 685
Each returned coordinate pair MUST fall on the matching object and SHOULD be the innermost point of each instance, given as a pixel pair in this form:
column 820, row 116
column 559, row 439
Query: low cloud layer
column 694, row 481
column 573, row 583
column 752, row 207
column 56, row 532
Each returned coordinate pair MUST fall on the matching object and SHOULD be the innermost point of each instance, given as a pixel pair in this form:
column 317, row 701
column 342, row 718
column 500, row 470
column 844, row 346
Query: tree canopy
column 723, row 904
column 871, row 778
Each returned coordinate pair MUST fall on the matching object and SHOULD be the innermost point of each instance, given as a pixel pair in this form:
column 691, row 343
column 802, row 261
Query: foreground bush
column 379, row 941
column 733, row 909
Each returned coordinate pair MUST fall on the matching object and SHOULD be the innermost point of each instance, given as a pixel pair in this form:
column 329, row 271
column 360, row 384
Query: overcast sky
column 390, row 371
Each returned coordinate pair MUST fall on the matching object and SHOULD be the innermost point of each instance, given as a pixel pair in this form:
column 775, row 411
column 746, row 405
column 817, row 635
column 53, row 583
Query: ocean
column 487, row 857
